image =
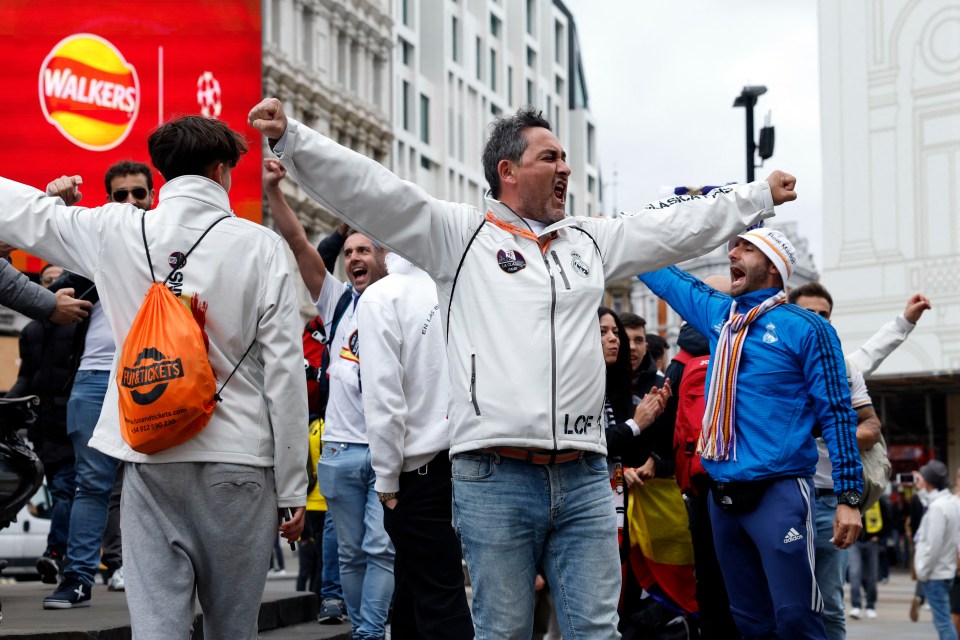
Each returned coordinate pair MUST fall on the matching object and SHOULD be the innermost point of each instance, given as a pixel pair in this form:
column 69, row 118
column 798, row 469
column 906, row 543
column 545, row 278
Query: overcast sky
column 662, row 77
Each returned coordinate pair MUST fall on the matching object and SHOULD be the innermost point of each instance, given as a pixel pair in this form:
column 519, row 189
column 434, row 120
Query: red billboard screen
column 85, row 83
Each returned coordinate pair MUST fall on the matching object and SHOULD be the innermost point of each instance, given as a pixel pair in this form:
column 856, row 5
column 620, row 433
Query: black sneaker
column 69, row 595
column 49, row 568
column 332, row 612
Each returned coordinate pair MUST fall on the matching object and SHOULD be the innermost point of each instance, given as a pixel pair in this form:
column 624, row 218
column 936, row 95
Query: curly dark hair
column 127, row 168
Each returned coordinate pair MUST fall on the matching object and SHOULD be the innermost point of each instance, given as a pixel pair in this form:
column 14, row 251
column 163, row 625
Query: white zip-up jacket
column 519, row 310
column 935, row 555
column 239, row 271
column 406, row 388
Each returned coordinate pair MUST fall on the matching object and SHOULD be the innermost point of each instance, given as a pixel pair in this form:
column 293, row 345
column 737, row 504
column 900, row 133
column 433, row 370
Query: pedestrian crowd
column 501, row 423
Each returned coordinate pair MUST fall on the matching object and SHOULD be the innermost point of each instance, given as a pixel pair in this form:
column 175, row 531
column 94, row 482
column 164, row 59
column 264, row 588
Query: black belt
column 823, row 492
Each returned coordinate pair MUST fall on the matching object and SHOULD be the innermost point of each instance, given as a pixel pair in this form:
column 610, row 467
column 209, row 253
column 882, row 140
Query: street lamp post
column 748, row 100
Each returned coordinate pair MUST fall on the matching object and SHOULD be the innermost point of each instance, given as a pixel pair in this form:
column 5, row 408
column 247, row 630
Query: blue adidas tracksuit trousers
column 767, row 559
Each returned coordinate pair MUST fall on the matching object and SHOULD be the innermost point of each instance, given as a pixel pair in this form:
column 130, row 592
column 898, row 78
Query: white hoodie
column 406, row 387
column 239, row 271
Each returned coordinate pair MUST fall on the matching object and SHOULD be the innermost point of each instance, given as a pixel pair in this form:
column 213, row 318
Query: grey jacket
column 23, row 295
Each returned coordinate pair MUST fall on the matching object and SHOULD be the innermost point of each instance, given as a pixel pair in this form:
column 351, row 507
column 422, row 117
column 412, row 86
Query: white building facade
column 458, row 64
column 890, row 102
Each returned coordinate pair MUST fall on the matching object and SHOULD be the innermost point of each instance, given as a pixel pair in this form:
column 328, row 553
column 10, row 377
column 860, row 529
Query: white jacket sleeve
column 281, row 346
column 678, row 228
column 929, row 542
column 400, row 215
column 71, row 237
column 384, row 402
column 880, row 345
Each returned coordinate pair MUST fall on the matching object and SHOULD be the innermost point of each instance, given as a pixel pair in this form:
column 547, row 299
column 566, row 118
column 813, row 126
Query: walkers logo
column 89, row 92
column 159, row 373
column 792, row 536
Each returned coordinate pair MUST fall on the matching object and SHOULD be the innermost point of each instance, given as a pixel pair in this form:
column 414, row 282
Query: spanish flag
column 661, row 549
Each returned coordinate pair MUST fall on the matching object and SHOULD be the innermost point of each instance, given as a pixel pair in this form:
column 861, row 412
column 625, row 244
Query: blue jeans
column 346, row 480
column 831, row 568
column 62, row 484
column 96, row 473
column 515, row 519
column 938, row 597
column 330, row 588
column 864, row 561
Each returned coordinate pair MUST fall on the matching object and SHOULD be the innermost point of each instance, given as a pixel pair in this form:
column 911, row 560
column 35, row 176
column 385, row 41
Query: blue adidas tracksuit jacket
column 792, row 376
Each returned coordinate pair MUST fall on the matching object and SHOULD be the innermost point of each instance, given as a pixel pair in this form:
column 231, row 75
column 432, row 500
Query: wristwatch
column 386, row 497
column 850, row 498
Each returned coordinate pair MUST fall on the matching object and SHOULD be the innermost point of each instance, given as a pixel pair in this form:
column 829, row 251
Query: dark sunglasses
column 121, row 194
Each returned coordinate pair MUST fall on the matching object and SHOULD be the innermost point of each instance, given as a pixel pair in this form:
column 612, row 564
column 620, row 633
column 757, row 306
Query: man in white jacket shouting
column 200, row 518
column 406, row 390
column 519, row 285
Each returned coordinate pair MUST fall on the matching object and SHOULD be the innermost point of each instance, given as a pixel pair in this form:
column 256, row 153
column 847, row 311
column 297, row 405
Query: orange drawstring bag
column 167, row 388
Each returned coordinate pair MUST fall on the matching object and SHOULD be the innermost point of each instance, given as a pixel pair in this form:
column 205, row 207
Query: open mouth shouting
column 738, row 277
column 359, row 276
column 560, row 193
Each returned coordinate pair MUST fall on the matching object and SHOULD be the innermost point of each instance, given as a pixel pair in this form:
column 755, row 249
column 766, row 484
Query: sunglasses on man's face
column 139, row 193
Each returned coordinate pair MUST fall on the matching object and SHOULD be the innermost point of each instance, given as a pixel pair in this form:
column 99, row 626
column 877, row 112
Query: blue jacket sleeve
column 829, row 393
column 693, row 301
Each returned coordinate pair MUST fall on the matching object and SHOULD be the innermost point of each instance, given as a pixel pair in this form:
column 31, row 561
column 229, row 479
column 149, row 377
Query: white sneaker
column 115, row 583
column 871, row 613
column 855, row 613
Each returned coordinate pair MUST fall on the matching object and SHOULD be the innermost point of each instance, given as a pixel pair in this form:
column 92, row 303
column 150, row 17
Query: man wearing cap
column 935, row 556
column 776, row 371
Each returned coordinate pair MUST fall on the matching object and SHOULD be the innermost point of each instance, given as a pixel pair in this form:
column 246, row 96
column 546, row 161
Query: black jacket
column 45, row 372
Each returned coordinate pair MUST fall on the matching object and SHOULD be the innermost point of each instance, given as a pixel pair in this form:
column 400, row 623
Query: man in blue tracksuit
column 776, row 371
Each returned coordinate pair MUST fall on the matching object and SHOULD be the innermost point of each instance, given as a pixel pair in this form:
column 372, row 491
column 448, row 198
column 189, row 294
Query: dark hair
column 193, row 145
column 632, row 321
column 619, row 394
column 656, row 346
column 810, row 290
column 127, row 168
column 506, row 142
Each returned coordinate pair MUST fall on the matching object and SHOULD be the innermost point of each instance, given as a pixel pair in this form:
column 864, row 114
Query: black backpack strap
column 338, row 312
column 143, row 230
column 182, row 260
column 217, row 396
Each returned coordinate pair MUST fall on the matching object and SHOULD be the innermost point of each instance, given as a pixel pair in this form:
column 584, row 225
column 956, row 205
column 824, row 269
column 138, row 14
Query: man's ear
column 505, row 169
column 216, row 173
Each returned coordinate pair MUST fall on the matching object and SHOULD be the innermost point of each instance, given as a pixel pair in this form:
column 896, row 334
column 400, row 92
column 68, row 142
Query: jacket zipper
column 563, row 274
column 473, row 382
column 553, row 348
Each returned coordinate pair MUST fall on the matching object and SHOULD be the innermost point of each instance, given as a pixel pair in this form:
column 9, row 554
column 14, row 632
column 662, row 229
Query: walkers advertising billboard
column 85, row 82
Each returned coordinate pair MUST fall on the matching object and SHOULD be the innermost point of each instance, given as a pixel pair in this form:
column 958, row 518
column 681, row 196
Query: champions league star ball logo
column 208, row 95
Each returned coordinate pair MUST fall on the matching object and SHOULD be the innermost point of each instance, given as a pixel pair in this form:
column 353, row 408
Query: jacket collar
column 198, row 188
column 749, row 300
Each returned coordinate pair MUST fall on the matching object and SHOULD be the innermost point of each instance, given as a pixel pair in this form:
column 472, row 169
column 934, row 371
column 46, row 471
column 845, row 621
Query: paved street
column 287, row 615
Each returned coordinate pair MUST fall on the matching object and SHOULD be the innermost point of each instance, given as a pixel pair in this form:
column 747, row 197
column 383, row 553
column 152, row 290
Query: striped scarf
column 718, row 440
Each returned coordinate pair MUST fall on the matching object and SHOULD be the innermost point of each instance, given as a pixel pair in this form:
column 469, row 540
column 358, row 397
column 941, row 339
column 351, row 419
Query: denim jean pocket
column 596, row 463
column 471, row 466
column 329, row 451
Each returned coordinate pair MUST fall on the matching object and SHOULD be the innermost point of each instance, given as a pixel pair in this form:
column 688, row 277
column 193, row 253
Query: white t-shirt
column 344, row 420
column 98, row 345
